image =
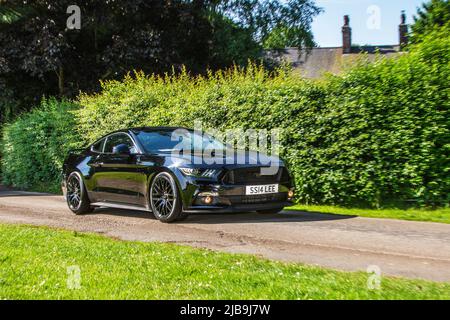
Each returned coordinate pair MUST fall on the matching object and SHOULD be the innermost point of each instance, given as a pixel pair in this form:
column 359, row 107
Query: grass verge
column 441, row 215
column 34, row 264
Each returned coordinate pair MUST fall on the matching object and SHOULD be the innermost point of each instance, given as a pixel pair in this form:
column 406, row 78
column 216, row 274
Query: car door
column 118, row 178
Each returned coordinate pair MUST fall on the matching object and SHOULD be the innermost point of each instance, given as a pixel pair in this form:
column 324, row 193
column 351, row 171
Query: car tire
column 165, row 199
column 270, row 211
column 76, row 196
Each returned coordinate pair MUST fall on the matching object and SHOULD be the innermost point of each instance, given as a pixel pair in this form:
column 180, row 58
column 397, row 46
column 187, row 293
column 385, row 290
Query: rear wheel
column 77, row 198
column 164, row 198
column 270, row 211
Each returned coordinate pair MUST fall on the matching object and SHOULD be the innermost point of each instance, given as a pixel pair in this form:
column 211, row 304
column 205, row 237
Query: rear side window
column 98, row 146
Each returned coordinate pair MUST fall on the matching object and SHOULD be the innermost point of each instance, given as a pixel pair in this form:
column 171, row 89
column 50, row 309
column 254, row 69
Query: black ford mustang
column 148, row 169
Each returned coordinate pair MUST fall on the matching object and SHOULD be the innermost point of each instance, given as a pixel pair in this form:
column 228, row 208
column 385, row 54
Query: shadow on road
column 251, row 217
column 244, row 217
column 123, row 213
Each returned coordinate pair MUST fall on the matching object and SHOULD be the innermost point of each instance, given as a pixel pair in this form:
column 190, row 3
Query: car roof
column 157, row 128
column 137, row 129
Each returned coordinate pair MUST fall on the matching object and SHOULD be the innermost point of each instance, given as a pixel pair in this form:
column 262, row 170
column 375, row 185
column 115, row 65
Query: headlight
column 200, row 173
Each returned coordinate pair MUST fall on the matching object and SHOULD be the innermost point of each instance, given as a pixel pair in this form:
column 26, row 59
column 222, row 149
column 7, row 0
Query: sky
column 373, row 22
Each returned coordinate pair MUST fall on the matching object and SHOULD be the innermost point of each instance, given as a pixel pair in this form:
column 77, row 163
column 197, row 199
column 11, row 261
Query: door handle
column 138, row 160
column 98, row 164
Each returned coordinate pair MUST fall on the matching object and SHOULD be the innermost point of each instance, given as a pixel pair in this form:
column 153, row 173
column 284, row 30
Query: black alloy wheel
column 76, row 195
column 164, row 199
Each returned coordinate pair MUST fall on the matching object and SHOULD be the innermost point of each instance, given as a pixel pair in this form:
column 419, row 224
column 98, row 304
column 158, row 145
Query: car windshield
column 178, row 139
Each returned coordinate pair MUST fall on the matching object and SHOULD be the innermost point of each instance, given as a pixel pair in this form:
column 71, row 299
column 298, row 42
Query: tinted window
column 157, row 140
column 98, row 146
column 117, row 139
column 168, row 140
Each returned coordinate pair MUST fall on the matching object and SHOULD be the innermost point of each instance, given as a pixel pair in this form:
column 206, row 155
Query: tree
column 282, row 37
column 273, row 22
column 232, row 44
column 40, row 55
column 433, row 14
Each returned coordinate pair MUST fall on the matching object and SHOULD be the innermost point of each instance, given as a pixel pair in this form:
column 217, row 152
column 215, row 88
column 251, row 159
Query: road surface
column 399, row 248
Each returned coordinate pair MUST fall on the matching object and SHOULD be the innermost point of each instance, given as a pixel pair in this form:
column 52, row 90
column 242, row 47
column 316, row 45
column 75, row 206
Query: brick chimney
column 346, row 35
column 403, row 31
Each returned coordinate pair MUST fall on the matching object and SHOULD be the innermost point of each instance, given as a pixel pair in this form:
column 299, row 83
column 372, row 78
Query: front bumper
column 238, row 208
column 232, row 198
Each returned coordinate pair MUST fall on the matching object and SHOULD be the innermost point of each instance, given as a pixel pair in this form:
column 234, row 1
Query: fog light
column 208, row 193
column 208, row 200
column 291, row 194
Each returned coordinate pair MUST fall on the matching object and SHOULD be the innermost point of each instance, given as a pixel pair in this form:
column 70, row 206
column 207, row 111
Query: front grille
column 252, row 175
column 263, row 198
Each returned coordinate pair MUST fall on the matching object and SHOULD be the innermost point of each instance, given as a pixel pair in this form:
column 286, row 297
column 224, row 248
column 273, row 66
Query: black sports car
column 146, row 169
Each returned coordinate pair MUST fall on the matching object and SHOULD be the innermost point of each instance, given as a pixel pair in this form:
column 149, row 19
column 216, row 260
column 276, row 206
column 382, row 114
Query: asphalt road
column 399, row 248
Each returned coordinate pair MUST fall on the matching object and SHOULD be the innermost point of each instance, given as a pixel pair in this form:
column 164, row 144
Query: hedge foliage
column 376, row 135
column 34, row 146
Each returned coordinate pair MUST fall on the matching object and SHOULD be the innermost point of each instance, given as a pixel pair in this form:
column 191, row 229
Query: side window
column 98, row 146
column 117, row 139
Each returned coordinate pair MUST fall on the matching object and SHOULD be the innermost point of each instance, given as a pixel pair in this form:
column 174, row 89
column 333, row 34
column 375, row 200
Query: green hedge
column 34, row 146
column 377, row 135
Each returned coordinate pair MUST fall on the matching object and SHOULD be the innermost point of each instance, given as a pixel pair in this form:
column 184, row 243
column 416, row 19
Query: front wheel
column 77, row 198
column 165, row 200
column 270, row 211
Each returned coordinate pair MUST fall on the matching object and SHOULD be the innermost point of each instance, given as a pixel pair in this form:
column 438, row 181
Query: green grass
column 34, row 261
column 441, row 215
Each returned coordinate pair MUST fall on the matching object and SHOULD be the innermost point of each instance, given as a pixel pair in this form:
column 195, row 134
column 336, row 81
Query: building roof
column 314, row 62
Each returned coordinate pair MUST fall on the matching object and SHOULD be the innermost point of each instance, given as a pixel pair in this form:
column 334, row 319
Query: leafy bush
column 387, row 130
column 375, row 136
column 433, row 15
column 34, row 146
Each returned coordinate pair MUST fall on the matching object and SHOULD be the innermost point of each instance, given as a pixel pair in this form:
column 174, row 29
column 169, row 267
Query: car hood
column 240, row 158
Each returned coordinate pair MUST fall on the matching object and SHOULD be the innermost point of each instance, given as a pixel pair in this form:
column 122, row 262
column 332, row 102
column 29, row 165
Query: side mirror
column 121, row 149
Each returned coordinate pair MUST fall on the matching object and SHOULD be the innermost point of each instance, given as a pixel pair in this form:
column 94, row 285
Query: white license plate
column 262, row 189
